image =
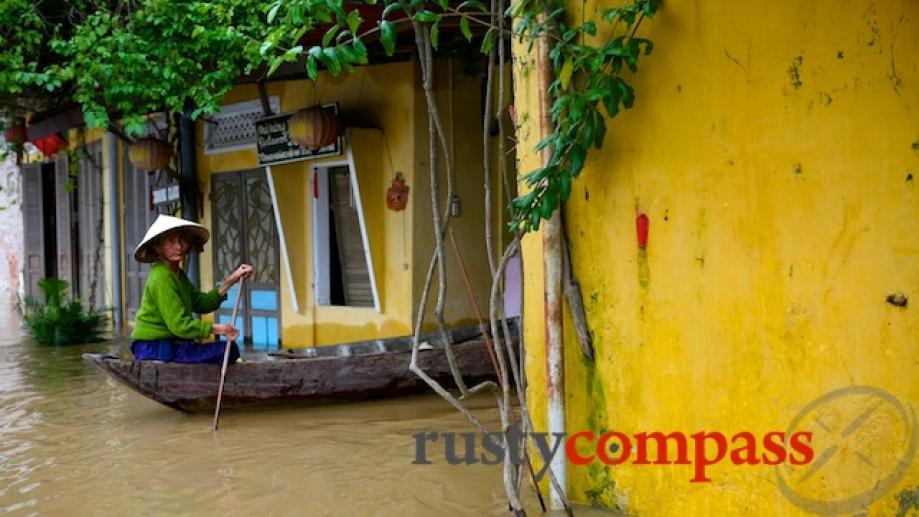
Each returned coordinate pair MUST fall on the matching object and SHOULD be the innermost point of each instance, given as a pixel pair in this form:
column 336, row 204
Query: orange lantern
column 314, row 127
column 149, row 154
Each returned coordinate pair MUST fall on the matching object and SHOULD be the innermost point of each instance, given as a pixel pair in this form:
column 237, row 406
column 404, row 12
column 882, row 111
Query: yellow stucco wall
column 460, row 103
column 775, row 148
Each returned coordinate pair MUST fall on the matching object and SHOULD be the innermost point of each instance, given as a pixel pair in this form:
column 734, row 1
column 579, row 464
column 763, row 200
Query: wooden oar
column 226, row 355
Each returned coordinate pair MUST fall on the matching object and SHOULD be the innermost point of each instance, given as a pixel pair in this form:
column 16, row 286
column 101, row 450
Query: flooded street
column 74, row 441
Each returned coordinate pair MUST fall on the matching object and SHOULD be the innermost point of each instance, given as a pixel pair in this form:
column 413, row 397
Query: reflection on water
column 74, row 441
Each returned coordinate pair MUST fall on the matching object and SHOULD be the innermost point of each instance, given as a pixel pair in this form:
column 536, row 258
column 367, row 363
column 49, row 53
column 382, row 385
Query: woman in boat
column 165, row 328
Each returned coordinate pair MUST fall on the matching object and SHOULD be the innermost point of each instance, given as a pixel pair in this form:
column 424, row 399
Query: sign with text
column 274, row 145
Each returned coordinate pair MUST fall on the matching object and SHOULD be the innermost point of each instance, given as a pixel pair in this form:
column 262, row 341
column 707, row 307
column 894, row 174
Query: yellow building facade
column 384, row 112
column 774, row 148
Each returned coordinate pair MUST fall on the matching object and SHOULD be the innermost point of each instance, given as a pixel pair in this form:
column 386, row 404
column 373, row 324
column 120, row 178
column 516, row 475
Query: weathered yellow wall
column 384, row 97
column 775, row 148
column 460, row 104
column 371, row 97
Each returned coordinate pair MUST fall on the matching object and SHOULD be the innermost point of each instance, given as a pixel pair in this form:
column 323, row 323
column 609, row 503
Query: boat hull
column 276, row 381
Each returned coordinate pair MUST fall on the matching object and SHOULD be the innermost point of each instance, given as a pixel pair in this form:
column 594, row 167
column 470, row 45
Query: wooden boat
column 362, row 370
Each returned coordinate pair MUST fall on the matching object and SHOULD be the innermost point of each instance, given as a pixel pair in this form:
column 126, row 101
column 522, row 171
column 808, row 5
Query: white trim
column 320, row 260
column 320, row 183
column 282, row 239
column 253, row 106
column 360, row 216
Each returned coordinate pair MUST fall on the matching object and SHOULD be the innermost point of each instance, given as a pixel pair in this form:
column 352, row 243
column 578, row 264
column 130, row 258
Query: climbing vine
column 587, row 88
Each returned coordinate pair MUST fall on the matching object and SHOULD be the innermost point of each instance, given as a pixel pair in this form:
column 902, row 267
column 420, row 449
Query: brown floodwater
column 74, row 441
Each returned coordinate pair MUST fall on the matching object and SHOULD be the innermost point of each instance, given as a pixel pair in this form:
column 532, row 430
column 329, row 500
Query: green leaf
column 312, row 69
column 329, row 34
column 475, row 4
column 576, row 160
column 273, row 12
column 514, row 10
column 360, row 51
column 426, row 17
column 354, row 20
column 332, row 60
column 565, row 75
column 488, row 41
column 435, row 33
column 292, row 53
column 464, row 28
column 275, row 63
column 387, row 36
column 390, row 8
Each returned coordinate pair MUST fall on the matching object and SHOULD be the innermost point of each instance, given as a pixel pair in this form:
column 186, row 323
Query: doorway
column 245, row 232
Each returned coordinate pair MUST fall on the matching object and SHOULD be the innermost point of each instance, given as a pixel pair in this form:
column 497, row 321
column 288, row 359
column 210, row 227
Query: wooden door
column 90, row 258
column 33, row 228
column 245, row 232
column 63, row 206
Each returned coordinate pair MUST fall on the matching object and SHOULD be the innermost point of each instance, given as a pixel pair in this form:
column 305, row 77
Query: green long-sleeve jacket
column 167, row 305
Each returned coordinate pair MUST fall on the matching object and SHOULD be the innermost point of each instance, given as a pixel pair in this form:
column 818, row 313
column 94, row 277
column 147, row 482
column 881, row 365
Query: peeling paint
column 644, row 270
column 794, row 71
column 907, row 499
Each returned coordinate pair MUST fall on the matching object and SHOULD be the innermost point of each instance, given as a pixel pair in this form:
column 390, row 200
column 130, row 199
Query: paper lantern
column 149, row 154
column 51, row 144
column 314, row 127
column 15, row 135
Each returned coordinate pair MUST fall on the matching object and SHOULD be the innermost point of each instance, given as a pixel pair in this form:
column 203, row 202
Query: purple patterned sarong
column 181, row 351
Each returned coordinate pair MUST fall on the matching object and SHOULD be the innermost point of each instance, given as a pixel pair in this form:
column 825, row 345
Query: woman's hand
column 243, row 271
column 225, row 329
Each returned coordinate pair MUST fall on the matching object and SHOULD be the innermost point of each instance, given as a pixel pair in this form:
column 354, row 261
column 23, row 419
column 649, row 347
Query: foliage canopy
column 130, row 58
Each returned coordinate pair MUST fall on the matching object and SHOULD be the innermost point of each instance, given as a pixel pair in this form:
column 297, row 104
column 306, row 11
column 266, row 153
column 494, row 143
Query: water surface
column 74, row 441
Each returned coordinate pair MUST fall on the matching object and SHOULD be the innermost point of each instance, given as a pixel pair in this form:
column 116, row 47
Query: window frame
column 319, row 183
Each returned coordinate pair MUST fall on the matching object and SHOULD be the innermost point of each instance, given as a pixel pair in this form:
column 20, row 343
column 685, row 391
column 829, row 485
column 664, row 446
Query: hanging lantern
column 149, row 154
column 314, row 127
column 15, row 135
column 51, row 144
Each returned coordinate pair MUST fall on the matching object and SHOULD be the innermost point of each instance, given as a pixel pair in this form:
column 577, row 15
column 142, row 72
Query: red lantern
column 149, row 154
column 15, row 135
column 314, row 127
column 51, row 144
column 641, row 227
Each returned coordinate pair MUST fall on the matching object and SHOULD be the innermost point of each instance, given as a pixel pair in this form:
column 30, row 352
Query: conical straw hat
column 197, row 235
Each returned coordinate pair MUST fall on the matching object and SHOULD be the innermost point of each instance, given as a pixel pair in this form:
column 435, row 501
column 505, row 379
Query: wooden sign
column 274, row 146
